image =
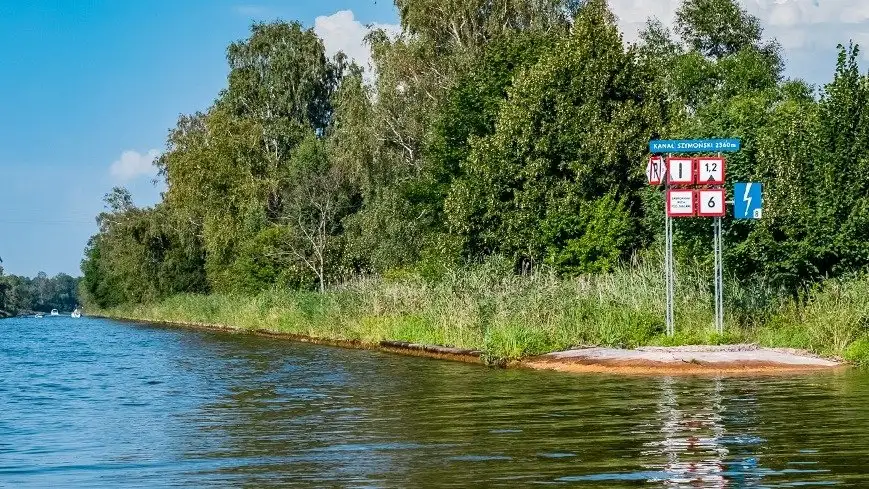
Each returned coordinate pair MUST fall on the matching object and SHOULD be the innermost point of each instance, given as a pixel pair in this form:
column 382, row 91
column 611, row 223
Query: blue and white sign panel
column 695, row 146
column 748, row 200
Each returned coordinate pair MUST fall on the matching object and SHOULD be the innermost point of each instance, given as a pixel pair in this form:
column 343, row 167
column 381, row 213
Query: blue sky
column 83, row 81
column 87, row 83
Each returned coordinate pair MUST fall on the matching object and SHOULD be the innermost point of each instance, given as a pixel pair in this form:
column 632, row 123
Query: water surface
column 88, row 402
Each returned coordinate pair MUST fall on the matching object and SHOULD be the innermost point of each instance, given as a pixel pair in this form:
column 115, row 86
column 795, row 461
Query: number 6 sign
column 711, row 203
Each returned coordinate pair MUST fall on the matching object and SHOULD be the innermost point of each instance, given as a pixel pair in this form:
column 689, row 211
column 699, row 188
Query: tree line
column 508, row 128
column 24, row 295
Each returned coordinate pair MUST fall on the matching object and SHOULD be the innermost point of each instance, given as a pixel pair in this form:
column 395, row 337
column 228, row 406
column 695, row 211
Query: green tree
column 468, row 24
column 226, row 169
column 317, row 197
column 470, row 112
column 399, row 218
column 813, row 157
column 4, row 296
column 719, row 28
column 140, row 255
column 571, row 132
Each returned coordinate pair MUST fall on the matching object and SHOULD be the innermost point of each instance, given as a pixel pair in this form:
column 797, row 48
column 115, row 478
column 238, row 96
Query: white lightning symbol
column 747, row 197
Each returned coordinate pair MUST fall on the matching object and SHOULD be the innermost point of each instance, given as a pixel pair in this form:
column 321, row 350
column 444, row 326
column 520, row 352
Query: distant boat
column 76, row 313
column 54, row 312
column 38, row 316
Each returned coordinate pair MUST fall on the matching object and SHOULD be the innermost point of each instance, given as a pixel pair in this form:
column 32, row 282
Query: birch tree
column 316, row 198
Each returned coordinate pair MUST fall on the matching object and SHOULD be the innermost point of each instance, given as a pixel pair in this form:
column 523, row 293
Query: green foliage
column 858, row 352
column 19, row 295
column 570, row 132
column 718, row 28
column 833, row 320
column 591, row 240
column 264, row 261
column 811, row 155
column 140, row 255
column 280, row 77
column 471, row 111
column 488, row 308
column 448, row 24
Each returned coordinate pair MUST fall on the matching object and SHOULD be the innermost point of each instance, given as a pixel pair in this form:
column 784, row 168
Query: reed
column 506, row 316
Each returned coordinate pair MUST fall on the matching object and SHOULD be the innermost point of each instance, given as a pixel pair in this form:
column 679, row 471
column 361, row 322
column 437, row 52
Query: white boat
column 54, row 312
column 76, row 313
column 38, row 316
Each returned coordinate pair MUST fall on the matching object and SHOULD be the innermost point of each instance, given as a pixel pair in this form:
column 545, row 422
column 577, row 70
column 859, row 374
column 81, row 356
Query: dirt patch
column 692, row 360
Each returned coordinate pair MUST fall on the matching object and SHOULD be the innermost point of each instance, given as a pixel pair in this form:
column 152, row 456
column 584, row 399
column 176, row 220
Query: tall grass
column 832, row 320
column 506, row 316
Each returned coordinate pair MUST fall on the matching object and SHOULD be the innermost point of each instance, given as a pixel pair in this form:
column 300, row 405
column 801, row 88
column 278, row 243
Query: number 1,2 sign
column 710, row 203
column 710, row 171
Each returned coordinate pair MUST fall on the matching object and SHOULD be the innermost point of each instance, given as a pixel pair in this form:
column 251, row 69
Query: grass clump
column 506, row 316
column 831, row 320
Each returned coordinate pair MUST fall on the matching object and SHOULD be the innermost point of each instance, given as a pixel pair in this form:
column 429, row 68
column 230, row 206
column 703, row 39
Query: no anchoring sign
column 655, row 170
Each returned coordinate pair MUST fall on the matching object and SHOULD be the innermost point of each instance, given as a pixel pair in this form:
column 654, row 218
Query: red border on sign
column 697, row 200
column 652, row 161
column 693, row 203
column 711, row 182
column 670, row 174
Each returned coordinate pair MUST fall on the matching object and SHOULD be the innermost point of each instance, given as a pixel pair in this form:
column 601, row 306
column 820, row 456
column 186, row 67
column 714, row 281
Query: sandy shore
column 729, row 359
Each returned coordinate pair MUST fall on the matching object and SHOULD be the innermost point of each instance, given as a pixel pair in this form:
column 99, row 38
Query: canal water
column 96, row 403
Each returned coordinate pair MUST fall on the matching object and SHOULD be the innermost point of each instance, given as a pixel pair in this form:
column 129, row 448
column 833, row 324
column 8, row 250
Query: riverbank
column 506, row 317
column 692, row 360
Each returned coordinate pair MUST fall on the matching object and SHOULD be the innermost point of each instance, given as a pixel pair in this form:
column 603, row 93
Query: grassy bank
column 487, row 308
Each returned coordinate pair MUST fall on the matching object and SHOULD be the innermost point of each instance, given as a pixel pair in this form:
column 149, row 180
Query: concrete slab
column 689, row 360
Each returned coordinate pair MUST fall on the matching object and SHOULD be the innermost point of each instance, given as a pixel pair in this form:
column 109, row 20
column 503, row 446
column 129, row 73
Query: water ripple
column 87, row 403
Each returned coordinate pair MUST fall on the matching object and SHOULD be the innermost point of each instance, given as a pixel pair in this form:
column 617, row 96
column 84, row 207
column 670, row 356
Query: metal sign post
column 718, row 245
column 719, row 285
column 706, row 201
column 671, row 280
column 720, row 298
column 668, row 264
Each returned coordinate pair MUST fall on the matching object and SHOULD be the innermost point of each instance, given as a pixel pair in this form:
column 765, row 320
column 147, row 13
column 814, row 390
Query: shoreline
column 648, row 361
column 397, row 347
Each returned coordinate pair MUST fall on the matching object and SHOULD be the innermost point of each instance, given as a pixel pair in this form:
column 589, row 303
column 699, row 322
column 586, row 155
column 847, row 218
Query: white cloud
column 808, row 30
column 342, row 32
column 133, row 164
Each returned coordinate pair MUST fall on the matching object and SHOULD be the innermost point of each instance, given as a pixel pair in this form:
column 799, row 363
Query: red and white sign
column 680, row 171
column 710, row 171
column 680, row 203
column 655, row 170
column 710, row 203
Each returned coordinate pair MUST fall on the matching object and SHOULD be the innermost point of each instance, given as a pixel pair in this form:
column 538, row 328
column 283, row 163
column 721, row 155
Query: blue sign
column 695, row 146
column 748, row 200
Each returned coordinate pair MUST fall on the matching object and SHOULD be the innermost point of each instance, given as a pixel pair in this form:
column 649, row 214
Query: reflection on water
column 692, row 437
column 95, row 403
